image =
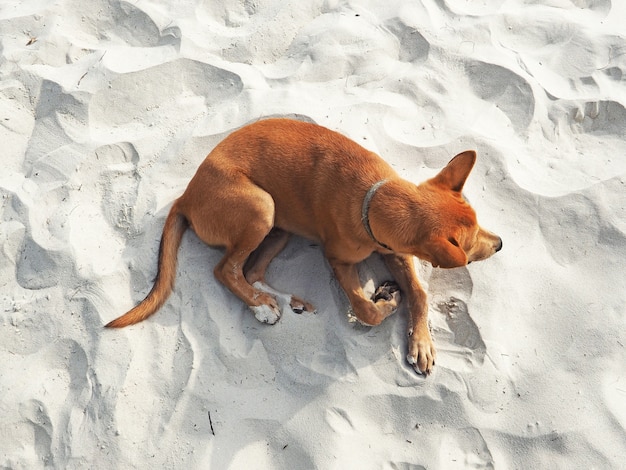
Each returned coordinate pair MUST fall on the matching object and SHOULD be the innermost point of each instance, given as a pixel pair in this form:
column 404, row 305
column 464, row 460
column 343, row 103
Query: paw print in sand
column 465, row 332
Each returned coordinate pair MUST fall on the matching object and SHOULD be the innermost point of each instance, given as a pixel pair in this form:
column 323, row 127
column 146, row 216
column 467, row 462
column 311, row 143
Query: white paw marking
column 411, row 360
column 266, row 314
column 352, row 318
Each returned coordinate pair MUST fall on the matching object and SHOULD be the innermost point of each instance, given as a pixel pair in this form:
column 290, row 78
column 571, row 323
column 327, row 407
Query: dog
column 278, row 177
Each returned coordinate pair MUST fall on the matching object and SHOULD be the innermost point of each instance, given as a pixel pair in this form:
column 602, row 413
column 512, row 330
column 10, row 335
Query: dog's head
column 454, row 237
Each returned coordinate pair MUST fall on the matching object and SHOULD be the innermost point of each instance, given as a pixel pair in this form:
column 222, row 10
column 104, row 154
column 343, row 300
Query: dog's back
column 308, row 170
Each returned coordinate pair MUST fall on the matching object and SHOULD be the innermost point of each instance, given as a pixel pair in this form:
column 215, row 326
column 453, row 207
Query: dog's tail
column 175, row 226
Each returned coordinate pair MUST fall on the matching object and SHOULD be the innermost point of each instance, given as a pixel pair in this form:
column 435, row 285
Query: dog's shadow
column 252, row 377
column 247, row 383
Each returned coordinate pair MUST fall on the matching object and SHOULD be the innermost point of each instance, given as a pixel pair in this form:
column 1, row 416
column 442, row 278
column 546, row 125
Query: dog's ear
column 446, row 253
column 454, row 175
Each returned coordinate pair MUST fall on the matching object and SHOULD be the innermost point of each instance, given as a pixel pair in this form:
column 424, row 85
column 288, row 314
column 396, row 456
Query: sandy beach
column 107, row 107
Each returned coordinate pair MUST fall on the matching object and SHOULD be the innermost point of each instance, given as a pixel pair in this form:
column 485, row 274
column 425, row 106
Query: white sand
column 107, row 108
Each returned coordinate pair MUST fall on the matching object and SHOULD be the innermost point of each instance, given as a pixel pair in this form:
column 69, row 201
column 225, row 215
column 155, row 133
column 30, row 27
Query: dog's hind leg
column 260, row 259
column 229, row 271
column 244, row 218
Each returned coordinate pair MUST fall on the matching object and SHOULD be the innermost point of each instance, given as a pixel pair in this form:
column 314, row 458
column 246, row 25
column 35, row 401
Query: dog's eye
column 453, row 241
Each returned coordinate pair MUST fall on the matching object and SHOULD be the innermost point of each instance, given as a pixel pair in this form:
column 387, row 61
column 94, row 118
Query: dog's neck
column 365, row 211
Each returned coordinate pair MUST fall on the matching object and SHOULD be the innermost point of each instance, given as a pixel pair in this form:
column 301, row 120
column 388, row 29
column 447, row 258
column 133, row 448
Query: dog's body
column 278, row 176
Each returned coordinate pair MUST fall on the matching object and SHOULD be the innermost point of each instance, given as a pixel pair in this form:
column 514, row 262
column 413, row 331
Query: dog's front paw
column 388, row 291
column 422, row 352
column 266, row 313
column 387, row 298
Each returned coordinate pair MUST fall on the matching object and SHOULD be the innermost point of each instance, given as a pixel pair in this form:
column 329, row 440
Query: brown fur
column 276, row 177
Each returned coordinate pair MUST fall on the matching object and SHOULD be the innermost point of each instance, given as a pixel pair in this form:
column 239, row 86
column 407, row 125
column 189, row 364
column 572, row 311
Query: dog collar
column 365, row 211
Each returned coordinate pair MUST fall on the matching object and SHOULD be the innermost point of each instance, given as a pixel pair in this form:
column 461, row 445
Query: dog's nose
column 499, row 245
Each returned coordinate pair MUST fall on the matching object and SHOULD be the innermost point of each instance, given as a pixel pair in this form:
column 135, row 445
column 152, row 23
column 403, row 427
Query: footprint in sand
column 456, row 334
column 37, row 267
column 34, row 413
column 120, row 186
column 118, row 111
column 558, row 221
column 465, row 331
column 116, row 21
column 413, row 47
column 509, row 92
column 50, row 391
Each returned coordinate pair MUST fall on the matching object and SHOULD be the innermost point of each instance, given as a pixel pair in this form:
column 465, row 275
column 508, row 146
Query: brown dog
column 276, row 177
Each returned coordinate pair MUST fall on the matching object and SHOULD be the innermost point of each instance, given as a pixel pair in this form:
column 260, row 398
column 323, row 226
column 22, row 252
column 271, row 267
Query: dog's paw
column 389, row 291
column 299, row 306
column 352, row 318
column 422, row 353
column 387, row 298
column 266, row 314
